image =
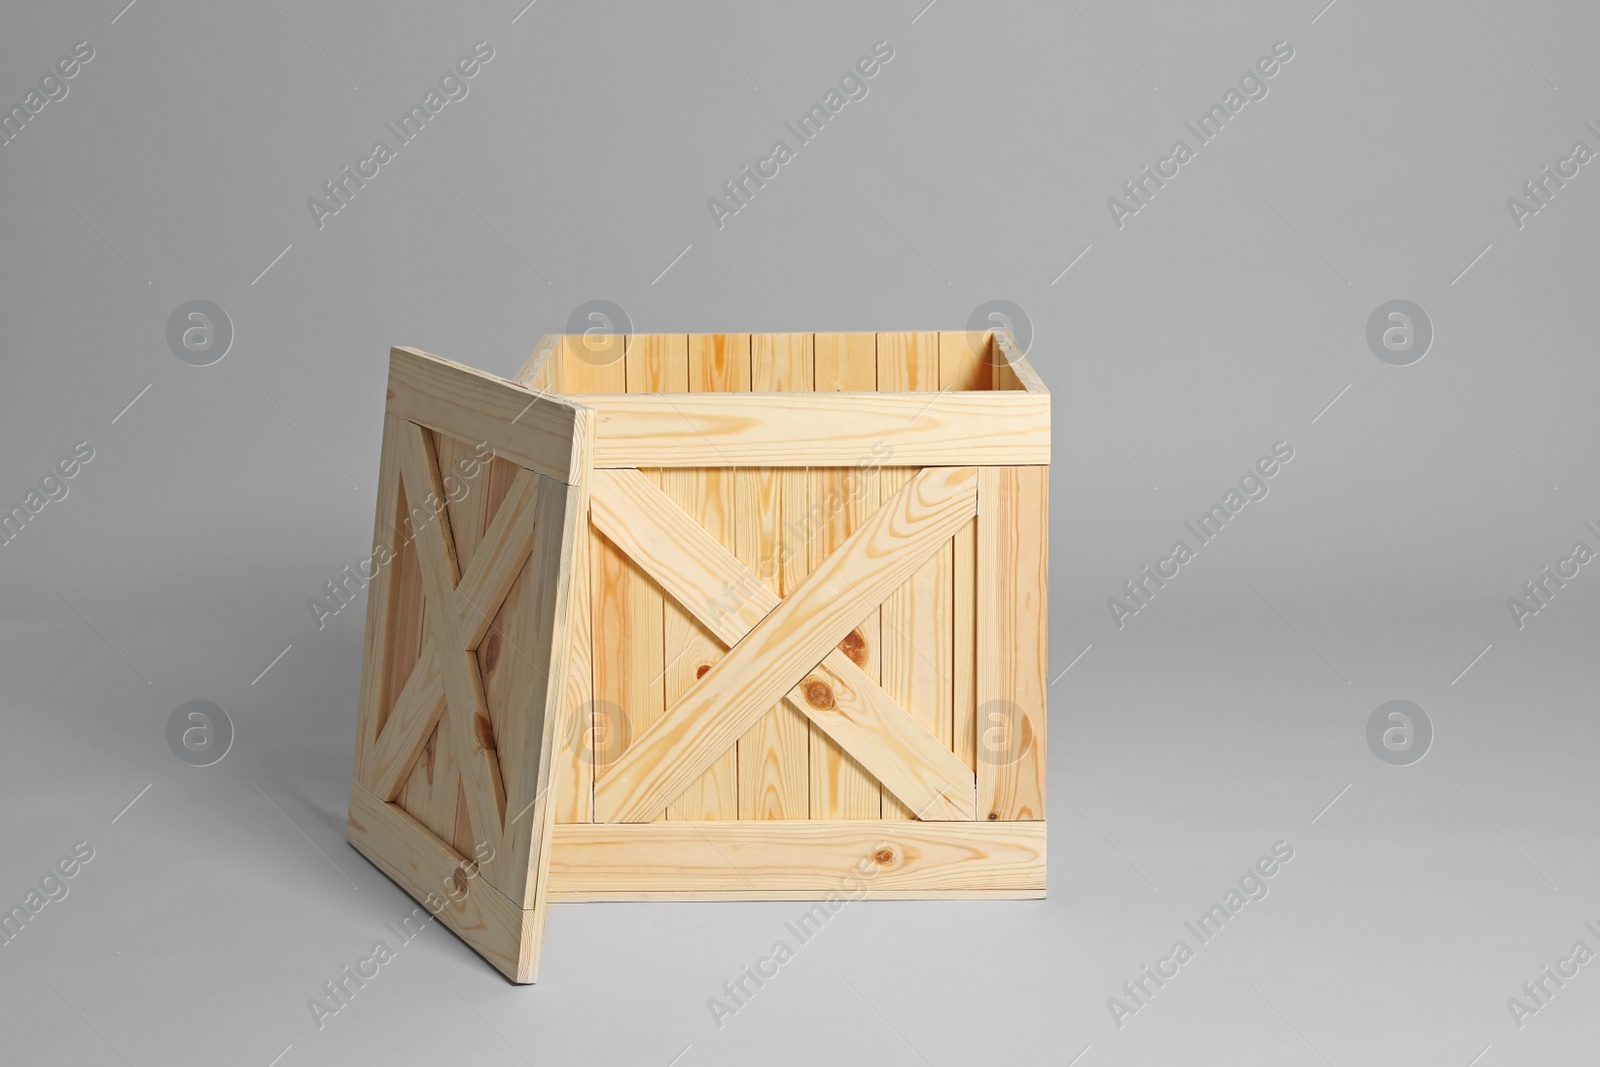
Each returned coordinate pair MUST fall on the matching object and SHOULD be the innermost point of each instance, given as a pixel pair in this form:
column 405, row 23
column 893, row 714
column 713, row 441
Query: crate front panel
column 920, row 647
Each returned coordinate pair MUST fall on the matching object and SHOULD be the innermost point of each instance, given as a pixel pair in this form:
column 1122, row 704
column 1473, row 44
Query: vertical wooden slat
column 841, row 499
column 1012, row 555
column 574, row 766
column 961, row 366
column 915, row 622
column 625, row 606
column 773, row 754
column 712, row 363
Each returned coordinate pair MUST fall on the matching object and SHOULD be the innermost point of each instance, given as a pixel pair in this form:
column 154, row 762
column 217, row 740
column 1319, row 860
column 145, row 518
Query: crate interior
column 889, row 361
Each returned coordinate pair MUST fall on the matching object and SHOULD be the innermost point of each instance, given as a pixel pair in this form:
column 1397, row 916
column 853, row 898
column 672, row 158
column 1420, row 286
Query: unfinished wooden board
column 777, row 652
column 1012, row 563
column 778, row 430
column 805, row 860
column 474, row 697
column 715, row 362
column 519, row 424
column 774, row 755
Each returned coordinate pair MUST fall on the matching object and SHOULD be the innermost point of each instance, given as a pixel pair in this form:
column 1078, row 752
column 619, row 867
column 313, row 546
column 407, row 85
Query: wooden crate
column 725, row 616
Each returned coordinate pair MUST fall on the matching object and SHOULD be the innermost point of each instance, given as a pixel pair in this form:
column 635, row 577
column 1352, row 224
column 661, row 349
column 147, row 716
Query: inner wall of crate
column 645, row 651
column 889, row 362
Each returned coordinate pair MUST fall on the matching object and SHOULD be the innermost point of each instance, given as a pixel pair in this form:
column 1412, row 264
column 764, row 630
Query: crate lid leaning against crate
column 707, row 617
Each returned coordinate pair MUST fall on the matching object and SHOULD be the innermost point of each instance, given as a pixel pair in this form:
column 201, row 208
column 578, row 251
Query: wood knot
column 485, row 732
column 884, row 856
column 994, row 816
column 818, row 694
column 460, row 880
column 700, row 671
column 491, row 651
column 854, row 645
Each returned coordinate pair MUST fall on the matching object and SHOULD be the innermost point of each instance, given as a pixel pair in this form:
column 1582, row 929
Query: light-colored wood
column 849, row 707
column 541, row 371
column 715, row 363
column 411, row 722
column 530, row 429
column 574, row 785
column 436, row 876
column 539, row 637
column 1009, row 353
column 1012, row 555
column 761, row 547
column 773, row 755
column 798, row 860
column 843, row 499
column 471, row 732
column 797, row 634
column 501, row 551
column 814, row 430
column 915, row 623
column 962, row 366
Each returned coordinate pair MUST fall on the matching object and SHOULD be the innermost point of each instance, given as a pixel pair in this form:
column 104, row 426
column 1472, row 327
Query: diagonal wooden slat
column 792, row 638
column 458, row 667
column 851, row 708
column 416, row 712
column 500, row 556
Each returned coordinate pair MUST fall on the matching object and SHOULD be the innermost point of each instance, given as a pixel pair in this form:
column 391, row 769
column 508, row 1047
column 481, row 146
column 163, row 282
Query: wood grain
column 530, row 429
column 1012, row 577
column 798, row 860
column 797, row 634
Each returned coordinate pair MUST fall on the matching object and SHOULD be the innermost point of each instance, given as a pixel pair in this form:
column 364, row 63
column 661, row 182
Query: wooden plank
column 410, row 724
column 574, row 788
column 915, row 621
column 774, row 755
column 961, row 366
column 1012, row 581
column 536, row 668
column 471, row 731
column 432, row 789
column 715, row 363
column 816, row 430
column 843, row 498
column 376, row 697
column 436, row 876
column 464, row 498
column 849, row 707
column 503, row 548
column 798, row 860
column 531, row 429
column 795, row 635
column 1009, row 353
column 541, row 371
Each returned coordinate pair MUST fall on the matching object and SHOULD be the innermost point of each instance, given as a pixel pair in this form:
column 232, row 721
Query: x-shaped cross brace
column 784, row 648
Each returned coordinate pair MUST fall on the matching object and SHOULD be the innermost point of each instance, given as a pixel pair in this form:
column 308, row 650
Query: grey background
column 1224, row 317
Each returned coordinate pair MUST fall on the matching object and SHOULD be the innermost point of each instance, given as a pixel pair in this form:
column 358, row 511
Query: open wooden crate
column 722, row 616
